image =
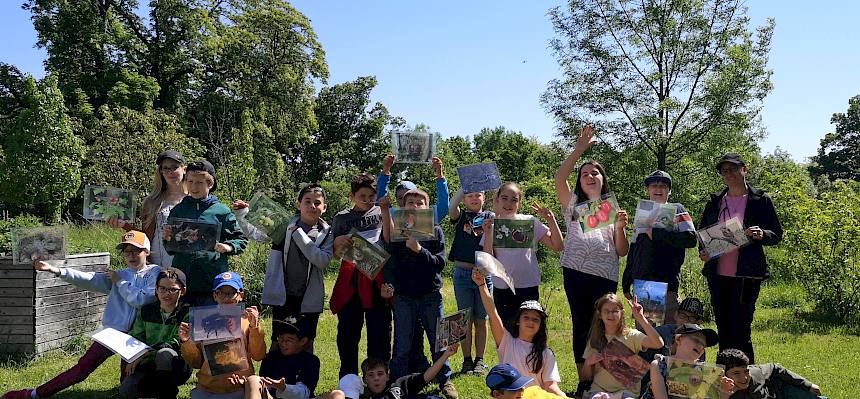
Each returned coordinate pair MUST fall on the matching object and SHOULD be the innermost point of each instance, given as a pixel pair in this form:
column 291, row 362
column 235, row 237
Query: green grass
column 785, row 331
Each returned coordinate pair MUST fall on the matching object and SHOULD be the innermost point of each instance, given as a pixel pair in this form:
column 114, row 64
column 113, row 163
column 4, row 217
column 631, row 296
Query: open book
column 128, row 347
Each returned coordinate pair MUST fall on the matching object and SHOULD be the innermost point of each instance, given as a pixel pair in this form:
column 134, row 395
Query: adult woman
column 589, row 260
column 734, row 278
column 167, row 191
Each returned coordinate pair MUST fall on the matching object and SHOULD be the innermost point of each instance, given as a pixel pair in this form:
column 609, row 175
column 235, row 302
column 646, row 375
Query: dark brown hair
column 580, row 194
column 362, row 180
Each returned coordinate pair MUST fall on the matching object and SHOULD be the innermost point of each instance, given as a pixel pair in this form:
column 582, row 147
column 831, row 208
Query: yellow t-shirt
column 603, row 380
column 535, row 392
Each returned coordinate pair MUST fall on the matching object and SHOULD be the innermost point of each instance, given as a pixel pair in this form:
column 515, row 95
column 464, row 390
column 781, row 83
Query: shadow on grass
column 87, row 394
column 796, row 320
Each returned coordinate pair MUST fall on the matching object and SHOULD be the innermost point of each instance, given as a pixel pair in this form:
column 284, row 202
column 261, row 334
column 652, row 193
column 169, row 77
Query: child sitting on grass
column 688, row 345
column 762, row 381
column 376, row 377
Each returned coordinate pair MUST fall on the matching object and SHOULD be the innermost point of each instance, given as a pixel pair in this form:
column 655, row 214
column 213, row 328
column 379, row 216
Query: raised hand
column 387, row 162
column 585, row 138
column 637, row 309
column 543, row 211
column 437, row 167
column 385, row 202
column 478, row 278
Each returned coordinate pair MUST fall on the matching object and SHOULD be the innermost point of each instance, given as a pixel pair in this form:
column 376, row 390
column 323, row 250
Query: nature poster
column 367, row 257
column 597, row 214
column 513, row 233
column 216, row 322
column 625, row 365
column 103, row 203
column 490, row 266
column 38, row 243
column 225, row 357
column 652, row 296
column 414, row 147
column 479, row 177
column 723, row 237
column 415, row 223
column 694, row 381
column 190, row 235
column 269, row 216
column 650, row 214
column 452, row 329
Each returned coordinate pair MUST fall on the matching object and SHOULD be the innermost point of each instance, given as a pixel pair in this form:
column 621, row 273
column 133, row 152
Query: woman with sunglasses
column 735, row 277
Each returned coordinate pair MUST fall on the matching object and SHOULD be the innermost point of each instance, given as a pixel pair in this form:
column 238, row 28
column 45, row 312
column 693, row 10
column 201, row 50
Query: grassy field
column 784, row 331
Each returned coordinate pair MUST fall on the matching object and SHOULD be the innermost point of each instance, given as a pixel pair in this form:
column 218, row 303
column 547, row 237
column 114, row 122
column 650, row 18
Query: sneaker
column 468, row 366
column 449, row 392
column 22, row 394
column 480, row 368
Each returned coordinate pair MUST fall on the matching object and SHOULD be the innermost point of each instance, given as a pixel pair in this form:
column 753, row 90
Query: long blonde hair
column 597, row 336
column 152, row 202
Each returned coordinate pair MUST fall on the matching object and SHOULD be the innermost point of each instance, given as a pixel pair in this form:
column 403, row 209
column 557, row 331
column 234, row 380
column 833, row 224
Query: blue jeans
column 467, row 293
column 411, row 314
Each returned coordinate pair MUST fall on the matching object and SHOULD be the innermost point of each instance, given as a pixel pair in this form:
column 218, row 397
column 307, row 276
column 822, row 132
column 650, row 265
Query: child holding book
column 127, row 290
column 380, row 384
column 162, row 370
column 688, row 345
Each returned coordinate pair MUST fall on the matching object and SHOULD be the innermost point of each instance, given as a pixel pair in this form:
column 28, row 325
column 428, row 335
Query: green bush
column 6, row 225
column 251, row 265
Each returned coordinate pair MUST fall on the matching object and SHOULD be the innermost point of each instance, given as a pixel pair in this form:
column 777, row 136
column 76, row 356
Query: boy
column 356, row 298
column 656, row 254
column 294, row 274
column 384, row 178
column 162, row 370
column 227, row 290
column 690, row 311
column 763, row 381
column 378, row 381
column 506, row 382
column 414, row 272
column 202, row 266
column 127, row 289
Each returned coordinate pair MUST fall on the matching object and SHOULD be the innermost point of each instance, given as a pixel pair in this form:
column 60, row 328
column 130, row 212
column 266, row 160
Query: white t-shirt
column 515, row 352
column 158, row 255
column 593, row 252
column 521, row 264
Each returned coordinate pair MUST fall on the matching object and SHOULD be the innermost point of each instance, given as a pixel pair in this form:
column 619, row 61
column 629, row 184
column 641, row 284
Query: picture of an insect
column 190, row 235
column 514, row 233
column 216, row 322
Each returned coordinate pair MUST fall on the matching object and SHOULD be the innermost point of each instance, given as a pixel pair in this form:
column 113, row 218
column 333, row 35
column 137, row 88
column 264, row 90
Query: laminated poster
column 414, row 147
column 128, row 347
column 38, row 244
column 625, row 365
column 103, row 203
column 216, row 322
column 190, row 235
column 225, row 357
column 415, row 223
column 491, row 266
column 367, row 257
column 269, row 216
column 650, row 214
column 652, row 296
column 479, row 177
column 693, row 381
column 452, row 329
column 597, row 214
column 722, row 237
column 514, row 233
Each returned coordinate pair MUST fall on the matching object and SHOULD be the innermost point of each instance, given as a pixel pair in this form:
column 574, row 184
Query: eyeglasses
column 728, row 169
column 226, row 294
column 168, row 290
column 170, row 168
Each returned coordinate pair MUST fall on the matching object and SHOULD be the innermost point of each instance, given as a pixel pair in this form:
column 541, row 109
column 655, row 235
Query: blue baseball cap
column 507, row 378
column 232, row 279
column 405, row 185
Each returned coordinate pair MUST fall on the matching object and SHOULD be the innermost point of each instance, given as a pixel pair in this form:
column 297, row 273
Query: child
column 294, row 274
column 505, row 382
column 202, row 266
column 414, row 272
column 356, row 298
column 288, row 371
column 521, row 264
column 526, row 346
column 127, row 290
column 378, row 381
column 227, row 290
column 767, row 381
column 688, row 345
column 161, row 371
column 657, row 254
column 589, row 260
column 384, row 178
column 690, row 311
column 609, row 324
column 468, row 230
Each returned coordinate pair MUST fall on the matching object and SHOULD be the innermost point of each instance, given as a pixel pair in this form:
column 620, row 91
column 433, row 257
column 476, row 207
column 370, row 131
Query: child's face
column 474, row 201
column 591, row 180
column 376, row 379
column 363, row 199
column 226, row 295
column 528, row 323
column 741, row 377
column 507, row 203
column 690, row 347
column 168, row 292
column 610, row 314
column 290, row 344
column 500, row 394
column 198, row 184
column 311, row 207
column 684, row 316
column 415, row 202
column 134, row 257
column 659, row 192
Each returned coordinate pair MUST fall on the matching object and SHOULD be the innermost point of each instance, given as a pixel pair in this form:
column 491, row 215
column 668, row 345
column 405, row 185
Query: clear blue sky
column 460, row 66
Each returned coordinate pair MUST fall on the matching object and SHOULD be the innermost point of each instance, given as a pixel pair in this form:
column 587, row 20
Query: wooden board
column 16, row 339
column 17, row 320
column 16, row 311
column 16, row 329
column 18, row 283
column 61, row 299
column 70, row 307
column 12, row 301
column 18, row 348
column 17, row 292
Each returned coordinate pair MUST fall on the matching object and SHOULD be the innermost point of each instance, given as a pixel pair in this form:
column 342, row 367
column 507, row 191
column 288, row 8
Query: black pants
column 733, row 299
column 350, row 319
column 508, row 303
column 583, row 290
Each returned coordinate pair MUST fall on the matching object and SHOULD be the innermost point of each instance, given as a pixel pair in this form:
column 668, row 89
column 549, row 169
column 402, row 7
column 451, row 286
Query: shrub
column 6, row 225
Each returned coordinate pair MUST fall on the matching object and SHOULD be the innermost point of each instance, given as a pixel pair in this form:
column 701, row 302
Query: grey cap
column 658, row 176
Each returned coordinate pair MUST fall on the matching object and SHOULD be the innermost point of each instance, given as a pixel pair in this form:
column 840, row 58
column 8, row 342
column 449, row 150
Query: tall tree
column 663, row 74
column 839, row 154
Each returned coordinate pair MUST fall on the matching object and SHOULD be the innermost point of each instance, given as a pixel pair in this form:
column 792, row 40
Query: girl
column 525, row 347
column 521, row 264
column 589, row 260
column 688, row 345
column 167, row 191
column 609, row 324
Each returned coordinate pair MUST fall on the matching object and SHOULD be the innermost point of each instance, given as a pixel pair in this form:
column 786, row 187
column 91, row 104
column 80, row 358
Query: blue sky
column 460, row 66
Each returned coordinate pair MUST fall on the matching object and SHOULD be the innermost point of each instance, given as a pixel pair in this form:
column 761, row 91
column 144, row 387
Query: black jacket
column 658, row 259
column 759, row 212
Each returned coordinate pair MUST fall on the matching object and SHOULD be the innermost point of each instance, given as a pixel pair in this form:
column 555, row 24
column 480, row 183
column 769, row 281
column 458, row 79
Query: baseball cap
column 135, row 238
column 711, row 337
column 731, row 157
column 405, row 185
column 658, row 176
column 228, row 278
column 694, row 306
column 178, row 273
column 170, row 154
column 532, row 305
column 506, row 378
column 297, row 325
column 203, row 166
column 351, row 386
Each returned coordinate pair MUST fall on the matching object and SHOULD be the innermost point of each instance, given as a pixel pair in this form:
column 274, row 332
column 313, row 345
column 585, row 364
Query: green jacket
column 158, row 330
column 201, row 267
column 772, row 381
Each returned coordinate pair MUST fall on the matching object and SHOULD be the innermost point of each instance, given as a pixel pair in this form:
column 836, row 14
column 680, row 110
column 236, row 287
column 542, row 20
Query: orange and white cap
column 136, row 238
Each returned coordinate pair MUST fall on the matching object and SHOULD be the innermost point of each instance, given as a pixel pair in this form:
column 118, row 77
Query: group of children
column 152, row 302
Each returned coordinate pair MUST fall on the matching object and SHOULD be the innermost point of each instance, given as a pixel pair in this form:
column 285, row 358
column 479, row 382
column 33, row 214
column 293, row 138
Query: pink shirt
column 727, row 264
